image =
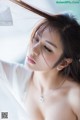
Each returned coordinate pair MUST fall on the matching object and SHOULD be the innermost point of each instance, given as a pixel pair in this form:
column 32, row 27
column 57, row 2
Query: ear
column 65, row 62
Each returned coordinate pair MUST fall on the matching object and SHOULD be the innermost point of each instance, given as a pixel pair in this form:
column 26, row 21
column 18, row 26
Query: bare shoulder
column 74, row 98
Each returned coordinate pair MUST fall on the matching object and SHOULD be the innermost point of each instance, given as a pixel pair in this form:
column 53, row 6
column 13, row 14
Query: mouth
column 31, row 60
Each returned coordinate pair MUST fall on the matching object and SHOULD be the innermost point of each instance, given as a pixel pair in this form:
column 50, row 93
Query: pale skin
column 61, row 95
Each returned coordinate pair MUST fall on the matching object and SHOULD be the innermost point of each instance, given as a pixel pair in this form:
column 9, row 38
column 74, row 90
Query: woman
column 52, row 90
column 54, row 51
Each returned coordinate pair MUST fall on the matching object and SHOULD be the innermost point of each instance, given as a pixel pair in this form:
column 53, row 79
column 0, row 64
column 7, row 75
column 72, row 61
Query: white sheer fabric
column 14, row 81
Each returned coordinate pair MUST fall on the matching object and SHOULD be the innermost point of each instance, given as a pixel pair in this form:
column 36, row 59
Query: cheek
column 51, row 59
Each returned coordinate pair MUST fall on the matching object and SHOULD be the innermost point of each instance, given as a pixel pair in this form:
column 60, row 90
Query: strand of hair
column 31, row 8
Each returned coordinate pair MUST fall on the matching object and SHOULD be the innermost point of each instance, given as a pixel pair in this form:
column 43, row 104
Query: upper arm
column 74, row 99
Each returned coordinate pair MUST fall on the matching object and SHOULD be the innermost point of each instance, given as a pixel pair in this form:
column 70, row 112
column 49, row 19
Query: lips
column 31, row 60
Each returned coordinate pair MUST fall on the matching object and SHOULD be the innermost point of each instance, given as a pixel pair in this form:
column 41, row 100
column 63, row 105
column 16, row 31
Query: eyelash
column 47, row 49
column 37, row 40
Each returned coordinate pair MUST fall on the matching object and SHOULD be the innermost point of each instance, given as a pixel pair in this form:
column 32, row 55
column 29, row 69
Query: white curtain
column 5, row 15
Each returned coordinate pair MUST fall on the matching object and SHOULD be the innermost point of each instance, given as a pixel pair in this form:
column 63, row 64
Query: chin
column 35, row 67
column 32, row 67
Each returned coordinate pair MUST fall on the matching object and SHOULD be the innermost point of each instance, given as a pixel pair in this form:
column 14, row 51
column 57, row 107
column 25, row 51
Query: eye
column 47, row 49
column 35, row 40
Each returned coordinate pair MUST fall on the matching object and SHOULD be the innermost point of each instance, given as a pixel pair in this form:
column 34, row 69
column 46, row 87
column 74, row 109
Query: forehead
column 46, row 29
column 51, row 34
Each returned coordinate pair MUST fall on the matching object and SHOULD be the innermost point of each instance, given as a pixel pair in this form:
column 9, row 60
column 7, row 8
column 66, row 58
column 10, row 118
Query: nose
column 36, row 50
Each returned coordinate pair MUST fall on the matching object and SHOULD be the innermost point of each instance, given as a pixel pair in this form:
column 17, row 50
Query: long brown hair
column 69, row 30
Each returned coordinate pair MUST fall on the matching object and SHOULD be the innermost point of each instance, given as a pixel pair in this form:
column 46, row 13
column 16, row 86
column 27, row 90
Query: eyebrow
column 47, row 41
column 51, row 43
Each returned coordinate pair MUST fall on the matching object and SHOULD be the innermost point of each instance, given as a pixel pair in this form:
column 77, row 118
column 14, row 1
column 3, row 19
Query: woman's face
column 44, row 51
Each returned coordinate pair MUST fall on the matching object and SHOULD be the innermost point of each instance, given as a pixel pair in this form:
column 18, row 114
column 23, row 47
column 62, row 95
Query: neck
column 46, row 80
